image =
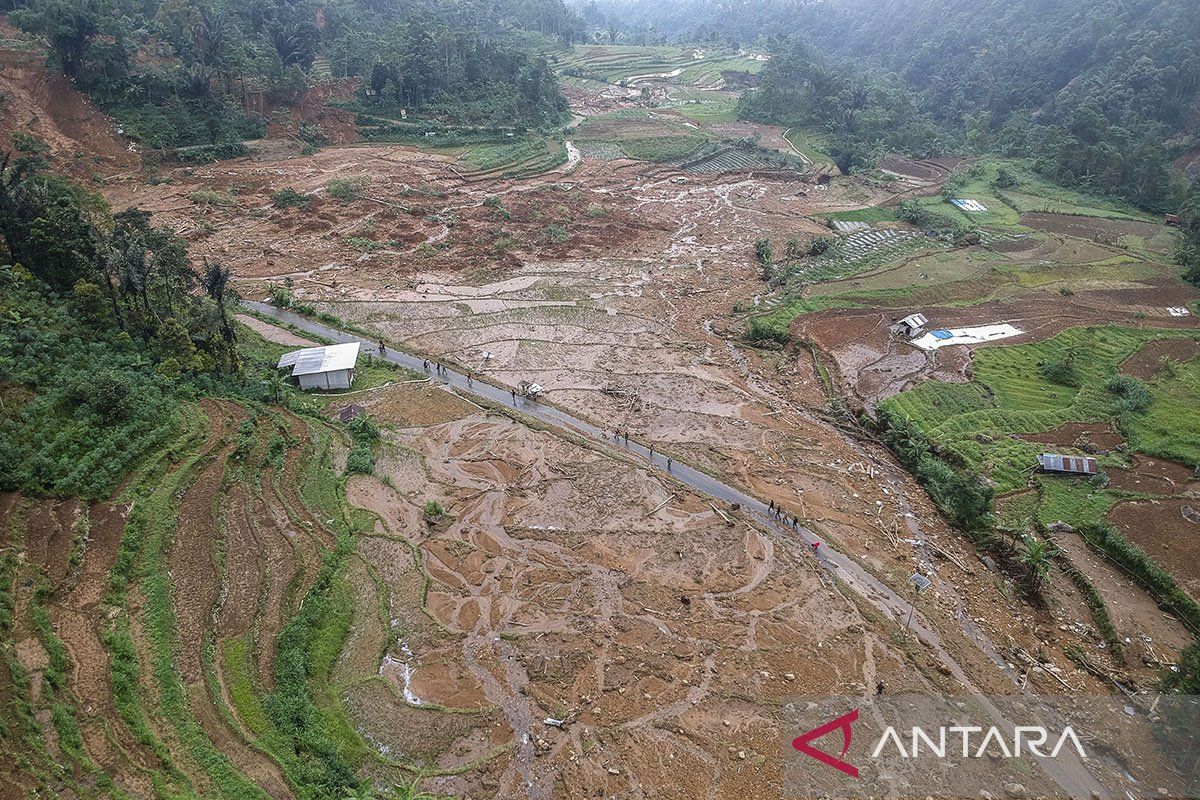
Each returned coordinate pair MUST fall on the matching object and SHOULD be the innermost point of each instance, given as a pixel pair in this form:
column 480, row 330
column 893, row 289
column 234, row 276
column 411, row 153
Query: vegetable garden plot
column 858, row 251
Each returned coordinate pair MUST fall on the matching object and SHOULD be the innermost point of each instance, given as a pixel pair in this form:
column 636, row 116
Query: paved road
column 1072, row 777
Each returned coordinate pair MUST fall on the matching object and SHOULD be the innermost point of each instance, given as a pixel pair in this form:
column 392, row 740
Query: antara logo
column 1032, row 740
column 843, row 722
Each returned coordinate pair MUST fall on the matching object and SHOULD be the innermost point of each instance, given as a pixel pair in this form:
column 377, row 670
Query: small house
column 912, row 324
column 330, row 367
column 1075, row 465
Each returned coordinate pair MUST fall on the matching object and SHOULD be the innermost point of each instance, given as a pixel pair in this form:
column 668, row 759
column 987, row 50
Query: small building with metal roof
column 329, row 367
column 912, row 324
column 1076, row 465
column 351, row 412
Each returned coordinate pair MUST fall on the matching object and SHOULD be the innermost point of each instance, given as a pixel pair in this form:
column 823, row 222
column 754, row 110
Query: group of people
column 619, row 435
column 791, row 521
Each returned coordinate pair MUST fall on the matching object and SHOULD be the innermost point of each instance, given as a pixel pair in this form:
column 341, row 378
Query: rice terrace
column 540, row 400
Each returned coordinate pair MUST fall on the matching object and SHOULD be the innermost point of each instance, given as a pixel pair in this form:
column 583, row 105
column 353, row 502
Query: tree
column 764, row 251
column 215, row 281
column 45, row 226
column 68, row 25
column 1037, row 556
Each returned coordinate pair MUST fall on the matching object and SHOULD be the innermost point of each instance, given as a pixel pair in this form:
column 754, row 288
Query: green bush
column 557, row 233
column 433, row 511
column 290, row 198
column 347, row 189
column 361, row 460
column 24, row 142
column 1134, row 395
column 1061, row 372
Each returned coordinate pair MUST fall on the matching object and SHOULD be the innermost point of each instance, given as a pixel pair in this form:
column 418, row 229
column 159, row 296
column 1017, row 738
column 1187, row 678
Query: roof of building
column 350, row 412
column 1061, row 463
column 914, row 320
column 312, row 360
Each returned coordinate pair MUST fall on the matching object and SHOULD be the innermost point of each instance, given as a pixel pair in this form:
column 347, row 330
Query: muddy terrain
column 575, row 622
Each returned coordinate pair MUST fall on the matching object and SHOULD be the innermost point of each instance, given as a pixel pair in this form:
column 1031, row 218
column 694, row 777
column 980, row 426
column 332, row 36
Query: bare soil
column 1161, row 528
column 41, row 101
column 1095, row 228
column 1099, row 437
column 1150, row 360
column 1155, row 476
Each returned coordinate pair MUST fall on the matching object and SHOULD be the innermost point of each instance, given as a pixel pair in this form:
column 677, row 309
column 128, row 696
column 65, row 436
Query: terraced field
column 683, row 65
column 640, row 134
column 220, row 628
column 856, row 253
column 1033, row 388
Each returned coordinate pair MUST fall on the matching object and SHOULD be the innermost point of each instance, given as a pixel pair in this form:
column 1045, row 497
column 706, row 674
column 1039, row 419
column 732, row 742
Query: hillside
column 1104, row 96
column 174, row 75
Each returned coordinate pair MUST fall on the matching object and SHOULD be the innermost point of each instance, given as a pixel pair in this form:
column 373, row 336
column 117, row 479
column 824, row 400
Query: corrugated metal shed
column 312, row 360
column 1080, row 465
column 350, row 412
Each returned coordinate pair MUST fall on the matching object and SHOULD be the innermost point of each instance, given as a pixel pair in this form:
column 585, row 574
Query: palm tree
column 1037, row 556
column 215, row 281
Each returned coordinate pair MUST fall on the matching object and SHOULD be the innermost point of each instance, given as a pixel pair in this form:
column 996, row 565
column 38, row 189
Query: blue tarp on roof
column 943, row 335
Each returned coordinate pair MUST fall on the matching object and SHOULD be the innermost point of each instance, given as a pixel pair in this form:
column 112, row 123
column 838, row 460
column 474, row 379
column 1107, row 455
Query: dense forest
column 1098, row 92
column 1102, row 95
column 177, row 74
column 863, row 114
column 104, row 322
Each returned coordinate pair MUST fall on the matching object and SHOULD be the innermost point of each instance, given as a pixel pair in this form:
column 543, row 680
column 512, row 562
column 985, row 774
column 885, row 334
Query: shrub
column 557, row 233
column 347, row 189
column 24, row 142
column 363, row 429
column 1134, row 397
column 1186, row 677
column 433, row 511
column 1061, row 372
column 820, row 245
column 290, row 198
column 361, row 460
column 765, row 329
column 764, row 251
column 1005, row 179
column 210, row 197
column 281, row 297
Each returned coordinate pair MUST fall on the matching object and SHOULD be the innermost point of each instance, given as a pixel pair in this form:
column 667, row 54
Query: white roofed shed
column 912, row 324
column 330, row 367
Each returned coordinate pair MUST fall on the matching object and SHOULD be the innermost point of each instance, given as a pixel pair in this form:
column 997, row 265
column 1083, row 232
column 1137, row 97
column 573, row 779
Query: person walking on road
column 382, row 348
